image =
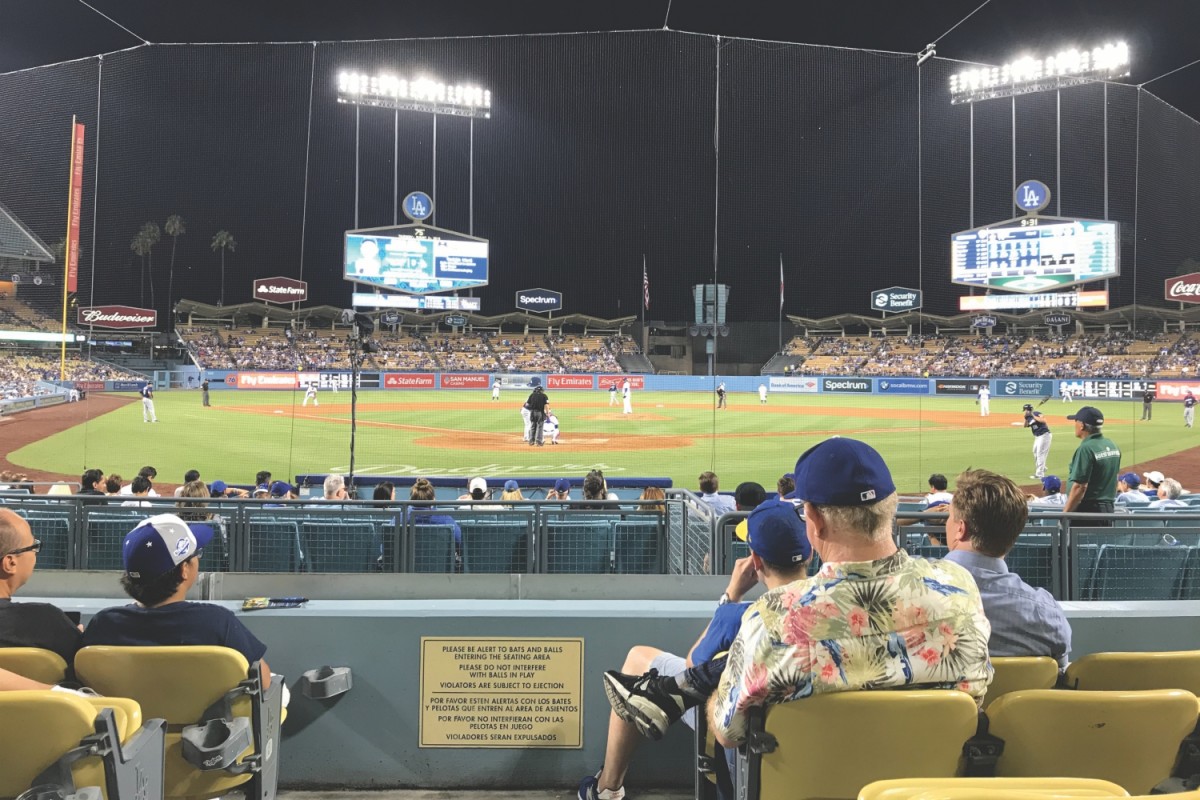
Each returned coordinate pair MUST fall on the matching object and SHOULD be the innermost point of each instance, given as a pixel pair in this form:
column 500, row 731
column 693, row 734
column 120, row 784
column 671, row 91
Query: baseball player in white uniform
column 627, row 394
column 1041, row 440
column 147, row 394
column 550, row 427
column 526, row 413
column 310, row 394
column 495, row 388
column 1065, row 392
column 985, row 396
column 762, row 393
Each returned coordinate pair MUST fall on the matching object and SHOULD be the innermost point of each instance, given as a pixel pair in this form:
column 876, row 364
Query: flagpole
column 780, row 303
column 645, row 293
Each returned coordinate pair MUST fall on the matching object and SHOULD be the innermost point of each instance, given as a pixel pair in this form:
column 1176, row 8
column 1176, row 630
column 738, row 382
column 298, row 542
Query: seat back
column 44, row 666
column 813, row 760
column 105, row 535
column 338, row 546
column 433, row 548
column 1034, row 562
column 1014, row 673
column 995, row 788
column 1106, row 672
column 1138, row 573
column 637, row 547
column 577, row 547
column 272, row 545
column 53, row 529
column 1129, row 738
column 495, row 547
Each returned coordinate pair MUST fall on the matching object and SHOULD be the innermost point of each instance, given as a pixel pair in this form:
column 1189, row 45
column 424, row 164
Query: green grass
column 407, row 432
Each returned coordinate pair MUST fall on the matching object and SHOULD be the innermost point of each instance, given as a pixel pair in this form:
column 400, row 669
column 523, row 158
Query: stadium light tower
column 1026, row 75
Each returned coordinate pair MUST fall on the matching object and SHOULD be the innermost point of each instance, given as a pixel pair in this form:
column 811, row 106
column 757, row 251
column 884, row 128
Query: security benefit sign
column 511, row 692
column 896, row 299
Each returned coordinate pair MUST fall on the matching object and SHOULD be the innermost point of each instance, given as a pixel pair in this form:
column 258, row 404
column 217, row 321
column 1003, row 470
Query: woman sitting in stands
column 653, row 493
column 195, row 510
column 422, row 513
column 512, row 492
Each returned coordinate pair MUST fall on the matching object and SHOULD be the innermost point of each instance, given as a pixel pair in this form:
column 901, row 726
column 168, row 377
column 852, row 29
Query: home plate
column 278, row 411
column 660, row 405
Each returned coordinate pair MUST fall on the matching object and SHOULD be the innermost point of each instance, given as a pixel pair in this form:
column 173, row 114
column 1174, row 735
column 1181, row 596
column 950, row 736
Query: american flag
column 645, row 285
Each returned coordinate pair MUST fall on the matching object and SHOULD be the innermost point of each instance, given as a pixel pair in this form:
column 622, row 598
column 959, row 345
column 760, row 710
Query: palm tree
column 175, row 228
column 222, row 241
column 152, row 234
column 140, row 246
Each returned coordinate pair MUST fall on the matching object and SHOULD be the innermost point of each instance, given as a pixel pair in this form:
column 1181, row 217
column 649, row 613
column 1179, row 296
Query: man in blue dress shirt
column 986, row 516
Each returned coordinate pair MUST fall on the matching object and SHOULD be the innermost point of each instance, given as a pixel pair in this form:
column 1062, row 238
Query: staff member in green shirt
column 1094, row 466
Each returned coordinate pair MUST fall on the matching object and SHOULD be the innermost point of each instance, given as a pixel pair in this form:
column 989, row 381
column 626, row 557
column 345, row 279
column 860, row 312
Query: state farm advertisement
column 464, row 380
column 263, row 380
column 280, row 290
column 570, row 382
column 635, row 381
column 1177, row 390
column 408, row 380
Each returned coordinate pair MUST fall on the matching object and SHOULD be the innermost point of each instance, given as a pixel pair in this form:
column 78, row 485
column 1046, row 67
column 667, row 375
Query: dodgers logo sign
column 417, row 206
column 539, row 301
column 1032, row 196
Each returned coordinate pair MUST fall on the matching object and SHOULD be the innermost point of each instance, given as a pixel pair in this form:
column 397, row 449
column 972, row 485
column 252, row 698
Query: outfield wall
column 1081, row 388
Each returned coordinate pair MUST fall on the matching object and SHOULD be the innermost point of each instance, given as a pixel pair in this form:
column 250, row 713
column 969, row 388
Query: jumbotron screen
column 1035, row 254
column 403, row 260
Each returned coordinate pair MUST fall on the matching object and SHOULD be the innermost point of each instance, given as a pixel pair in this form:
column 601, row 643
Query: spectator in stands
column 654, row 493
column 1168, row 495
column 476, row 489
column 512, row 492
column 112, row 485
column 987, row 515
column 198, row 490
column 93, row 483
column 334, row 489
column 221, row 489
column 1154, row 479
column 747, row 496
column 424, row 494
column 709, row 485
column 604, row 482
column 384, row 494
column 937, row 496
column 188, row 477
column 28, row 624
column 262, row 480
column 785, row 485
column 1128, row 493
column 60, row 489
column 161, row 561
column 561, row 490
column 779, row 554
column 149, row 473
column 593, row 490
column 140, row 489
column 872, row 618
column 1052, row 496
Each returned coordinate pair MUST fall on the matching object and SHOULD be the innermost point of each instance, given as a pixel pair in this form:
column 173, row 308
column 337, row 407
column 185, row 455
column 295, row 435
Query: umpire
column 1094, row 466
column 537, row 415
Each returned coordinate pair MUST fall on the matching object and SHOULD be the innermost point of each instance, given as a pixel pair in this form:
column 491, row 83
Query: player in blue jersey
column 147, row 393
column 1189, row 409
column 1041, row 440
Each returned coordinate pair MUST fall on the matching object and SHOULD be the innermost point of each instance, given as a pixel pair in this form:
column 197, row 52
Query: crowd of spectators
column 20, row 372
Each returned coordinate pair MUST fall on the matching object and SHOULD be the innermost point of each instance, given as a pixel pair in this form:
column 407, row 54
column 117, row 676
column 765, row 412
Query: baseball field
column 672, row 434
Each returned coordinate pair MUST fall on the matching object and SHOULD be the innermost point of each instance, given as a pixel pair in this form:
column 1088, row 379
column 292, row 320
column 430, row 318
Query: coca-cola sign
column 280, row 290
column 117, row 317
column 1184, row 288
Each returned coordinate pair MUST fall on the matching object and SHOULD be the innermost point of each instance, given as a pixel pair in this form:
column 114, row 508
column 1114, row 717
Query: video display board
column 1035, row 254
column 415, row 259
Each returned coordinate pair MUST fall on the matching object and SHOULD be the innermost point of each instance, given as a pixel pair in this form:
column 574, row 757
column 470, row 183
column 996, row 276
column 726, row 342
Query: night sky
column 601, row 147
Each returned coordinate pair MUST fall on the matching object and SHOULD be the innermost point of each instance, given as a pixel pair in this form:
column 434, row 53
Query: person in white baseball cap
column 1153, row 479
column 162, row 564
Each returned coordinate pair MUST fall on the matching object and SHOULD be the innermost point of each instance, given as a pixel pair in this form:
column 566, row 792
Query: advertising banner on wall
column 959, row 386
column 636, row 382
column 1110, row 390
column 1183, row 288
column 570, row 382
column 76, row 207
column 280, row 290
column 1024, row 387
column 128, row 386
column 539, row 300
column 858, row 385
column 1177, row 390
column 896, row 299
column 116, row 317
column 262, row 380
column 465, row 380
column 800, row 385
column 903, row 385
column 408, row 380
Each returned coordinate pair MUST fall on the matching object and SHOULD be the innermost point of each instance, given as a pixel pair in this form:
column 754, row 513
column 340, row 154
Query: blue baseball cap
column 776, row 532
column 160, row 544
column 1052, row 483
column 842, row 472
column 1088, row 415
column 281, row 489
column 562, row 485
column 511, row 486
column 1131, row 480
column 217, row 488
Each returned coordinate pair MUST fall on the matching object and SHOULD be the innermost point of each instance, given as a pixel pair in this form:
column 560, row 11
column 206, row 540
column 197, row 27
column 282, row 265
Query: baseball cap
column 281, row 489
column 161, row 543
column 777, row 534
column 562, row 485
column 511, row 486
column 1131, row 480
column 1027, row 407
column 477, row 483
column 842, row 472
column 1088, row 415
column 217, row 488
column 1051, row 483
column 1154, row 476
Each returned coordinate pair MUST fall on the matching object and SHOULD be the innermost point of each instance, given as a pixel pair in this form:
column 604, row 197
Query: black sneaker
column 649, row 702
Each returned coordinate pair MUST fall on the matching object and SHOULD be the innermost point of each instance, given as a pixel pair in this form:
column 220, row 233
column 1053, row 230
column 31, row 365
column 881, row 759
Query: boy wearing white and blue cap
column 161, row 561
column 1052, row 496
column 779, row 555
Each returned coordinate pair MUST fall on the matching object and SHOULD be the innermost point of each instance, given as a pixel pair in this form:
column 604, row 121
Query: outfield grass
column 673, row 434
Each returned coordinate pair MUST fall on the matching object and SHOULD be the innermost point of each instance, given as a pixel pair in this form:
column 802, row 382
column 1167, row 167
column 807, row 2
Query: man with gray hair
column 335, row 487
column 1168, row 495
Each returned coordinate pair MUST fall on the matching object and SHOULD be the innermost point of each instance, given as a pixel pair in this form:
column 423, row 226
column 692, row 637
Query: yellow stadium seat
column 832, row 745
column 68, row 741
column 1025, row 672
column 1133, row 671
column 34, row 663
column 191, row 685
column 997, row 788
column 1129, row 738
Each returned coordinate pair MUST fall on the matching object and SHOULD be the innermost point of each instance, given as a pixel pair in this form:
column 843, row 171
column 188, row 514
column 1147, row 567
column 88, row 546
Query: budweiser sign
column 117, row 317
column 280, row 290
column 1184, row 288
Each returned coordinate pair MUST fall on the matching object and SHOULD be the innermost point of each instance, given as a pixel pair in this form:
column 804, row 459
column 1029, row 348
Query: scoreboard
column 1035, row 254
column 415, row 259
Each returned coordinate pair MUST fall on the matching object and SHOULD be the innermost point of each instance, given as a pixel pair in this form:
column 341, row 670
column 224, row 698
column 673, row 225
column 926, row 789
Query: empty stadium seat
column 53, row 530
column 44, row 666
column 495, row 547
column 105, row 535
column 637, row 547
column 577, row 547
column 1179, row 669
column 72, row 742
column 432, row 548
column 981, row 788
column 220, row 685
column 340, row 546
column 1013, row 673
column 272, row 545
column 1124, row 572
column 832, row 745
column 1129, row 738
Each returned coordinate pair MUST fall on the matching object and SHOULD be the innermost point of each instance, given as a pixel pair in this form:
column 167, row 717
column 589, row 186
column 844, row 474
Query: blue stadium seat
column 433, row 548
column 273, row 545
column 577, row 547
column 1137, row 573
column 53, row 528
column 494, row 547
column 105, row 535
column 931, row 551
column 637, row 547
column 340, row 546
column 1033, row 562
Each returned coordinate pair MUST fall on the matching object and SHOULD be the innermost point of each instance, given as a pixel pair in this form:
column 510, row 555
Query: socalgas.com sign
column 896, row 299
column 539, row 300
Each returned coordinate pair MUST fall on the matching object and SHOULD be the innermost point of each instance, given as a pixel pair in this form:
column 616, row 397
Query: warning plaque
column 479, row 692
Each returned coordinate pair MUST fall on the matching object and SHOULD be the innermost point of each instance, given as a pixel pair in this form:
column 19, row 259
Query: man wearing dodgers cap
column 161, row 561
column 779, row 554
column 1094, row 466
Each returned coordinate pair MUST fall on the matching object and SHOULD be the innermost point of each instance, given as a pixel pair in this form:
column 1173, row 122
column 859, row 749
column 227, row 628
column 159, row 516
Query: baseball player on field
column 1189, row 409
column 550, row 427
column 1065, row 392
column 310, row 394
column 147, row 393
column 526, row 428
column 762, row 393
column 1041, row 440
column 627, row 394
column 721, row 396
column 985, row 397
column 612, row 394
column 495, row 388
